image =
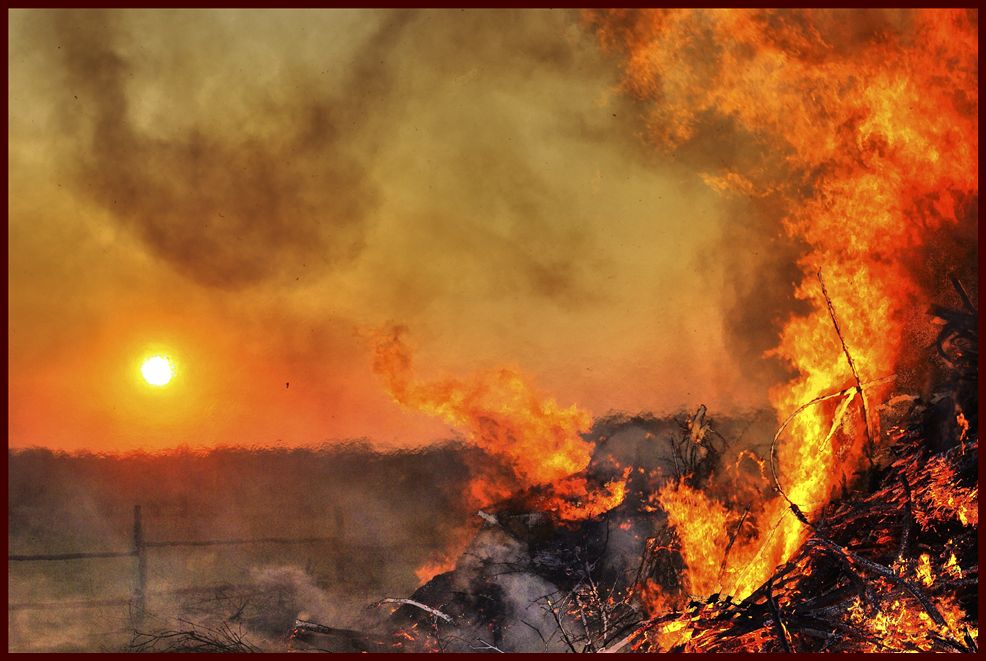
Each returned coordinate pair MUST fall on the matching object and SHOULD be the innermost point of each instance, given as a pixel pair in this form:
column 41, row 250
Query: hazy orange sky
column 251, row 192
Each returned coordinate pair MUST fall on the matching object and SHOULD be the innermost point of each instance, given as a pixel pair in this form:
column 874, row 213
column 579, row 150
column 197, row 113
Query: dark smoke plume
column 228, row 208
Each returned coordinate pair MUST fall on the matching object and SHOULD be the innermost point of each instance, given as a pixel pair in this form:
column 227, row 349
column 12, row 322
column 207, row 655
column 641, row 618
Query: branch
column 852, row 364
column 487, row 647
column 821, row 398
column 852, row 557
column 561, row 628
column 617, row 646
column 966, row 301
column 775, row 610
column 416, row 604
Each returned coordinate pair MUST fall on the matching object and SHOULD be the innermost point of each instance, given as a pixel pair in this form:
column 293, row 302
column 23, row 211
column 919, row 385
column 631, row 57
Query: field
column 385, row 515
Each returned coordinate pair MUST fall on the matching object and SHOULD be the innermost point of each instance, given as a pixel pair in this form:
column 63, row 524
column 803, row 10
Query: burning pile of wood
column 889, row 565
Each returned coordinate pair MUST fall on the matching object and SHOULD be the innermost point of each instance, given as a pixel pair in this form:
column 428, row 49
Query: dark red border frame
column 254, row 4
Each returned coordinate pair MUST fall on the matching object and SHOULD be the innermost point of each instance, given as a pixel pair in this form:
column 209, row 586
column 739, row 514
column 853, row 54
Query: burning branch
column 775, row 610
column 871, row 447
column 848, row 393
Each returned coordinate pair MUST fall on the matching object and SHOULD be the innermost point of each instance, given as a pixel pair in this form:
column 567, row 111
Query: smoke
column 495, row 572
column 251, row 186
column 240, row 169
column 527, row 624
column 525, row 562
column 256, row 177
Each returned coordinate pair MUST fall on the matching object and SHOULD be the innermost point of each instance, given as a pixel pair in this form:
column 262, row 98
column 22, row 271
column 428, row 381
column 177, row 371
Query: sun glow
column 157, row 370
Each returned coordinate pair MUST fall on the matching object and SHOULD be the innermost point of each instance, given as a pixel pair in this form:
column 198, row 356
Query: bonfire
column 851, row 525
column 889, row 564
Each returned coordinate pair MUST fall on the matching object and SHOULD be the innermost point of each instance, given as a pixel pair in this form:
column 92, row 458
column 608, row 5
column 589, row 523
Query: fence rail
column 229, row 542
column 139, row 551
column 122, row 601
column 81, row 604
column 70, row 556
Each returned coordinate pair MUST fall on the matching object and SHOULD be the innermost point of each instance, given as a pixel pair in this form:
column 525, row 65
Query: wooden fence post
column 337, row 547
column 140, row 551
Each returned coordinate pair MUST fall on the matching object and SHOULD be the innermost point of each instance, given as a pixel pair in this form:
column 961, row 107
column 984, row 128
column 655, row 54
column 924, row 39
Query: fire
column 952, row 567
column 924, row 571
column 900, row 627
column 500, row 412
column 658, row 601
column 574, row 500
column 430, row 570
column 702, row 526
column 871, row 143
column 945, row 499
column 497, row 410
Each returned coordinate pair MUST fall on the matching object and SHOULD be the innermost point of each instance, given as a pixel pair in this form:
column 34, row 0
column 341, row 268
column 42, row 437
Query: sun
column 157, row 370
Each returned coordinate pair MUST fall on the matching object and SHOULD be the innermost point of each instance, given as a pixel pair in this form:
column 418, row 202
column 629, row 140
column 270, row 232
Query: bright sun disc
column 157, row 370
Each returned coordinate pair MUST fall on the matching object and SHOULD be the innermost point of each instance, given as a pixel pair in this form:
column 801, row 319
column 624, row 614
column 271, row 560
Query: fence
column 138, row 599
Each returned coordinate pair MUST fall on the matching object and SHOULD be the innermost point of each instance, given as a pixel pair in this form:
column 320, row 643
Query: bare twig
column 732, row 540
column 487, row 647
column 561, row 628
column 190, row 637
column 966, row 301
column 600, row 605
column 617, row 646
column 536, row 630
column 585, row 624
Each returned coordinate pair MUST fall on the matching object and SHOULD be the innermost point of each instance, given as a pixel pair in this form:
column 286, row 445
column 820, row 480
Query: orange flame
column 873, row 144
column 573, row 500
column 898, row 626
column 431, row 569
column 946, row 499
column 500, row 412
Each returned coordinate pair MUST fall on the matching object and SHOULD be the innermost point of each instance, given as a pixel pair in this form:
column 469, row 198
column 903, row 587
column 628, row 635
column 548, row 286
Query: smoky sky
column 758, row 259
column 225, row 208
column 253, row 189
column 244, row 184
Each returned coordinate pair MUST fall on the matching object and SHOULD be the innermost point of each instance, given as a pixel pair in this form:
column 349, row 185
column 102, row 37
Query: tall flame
column 871, row 139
